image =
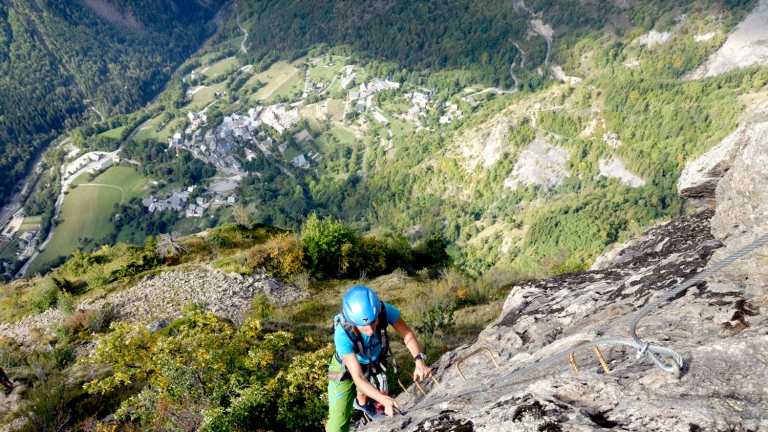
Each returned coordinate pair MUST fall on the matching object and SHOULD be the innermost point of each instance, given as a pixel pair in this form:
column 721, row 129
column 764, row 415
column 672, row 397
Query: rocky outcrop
column 162, row 297
column 718, row 329
column 746, row 46
column 226, row 295
column 742, row 204
column 540, row 164
column 614, row 168
column 700, row 176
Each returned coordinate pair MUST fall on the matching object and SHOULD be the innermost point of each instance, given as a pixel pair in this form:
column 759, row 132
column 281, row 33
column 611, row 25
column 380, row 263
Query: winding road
column 245, row 33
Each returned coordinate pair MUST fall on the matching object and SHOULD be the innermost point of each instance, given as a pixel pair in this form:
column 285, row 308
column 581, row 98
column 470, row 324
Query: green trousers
column 341, row 396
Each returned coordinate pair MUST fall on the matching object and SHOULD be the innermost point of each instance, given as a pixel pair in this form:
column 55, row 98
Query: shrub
column 95, row 320
column 282, row 256
column 262, row 307
column 324, row 242
column 44, row 296
column 217, row 240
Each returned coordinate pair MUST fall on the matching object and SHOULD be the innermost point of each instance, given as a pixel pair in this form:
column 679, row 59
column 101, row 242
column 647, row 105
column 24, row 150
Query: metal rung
column 415, row 382
column 458, row 363
column 599, row 355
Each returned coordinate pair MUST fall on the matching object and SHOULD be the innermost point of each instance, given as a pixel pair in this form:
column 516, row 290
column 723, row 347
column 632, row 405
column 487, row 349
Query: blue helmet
column 361, row 306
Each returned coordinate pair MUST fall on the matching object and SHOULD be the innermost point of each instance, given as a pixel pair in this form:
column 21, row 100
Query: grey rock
column 742, row 204
column 700, row 177
column 718, row 329
column 157, row 325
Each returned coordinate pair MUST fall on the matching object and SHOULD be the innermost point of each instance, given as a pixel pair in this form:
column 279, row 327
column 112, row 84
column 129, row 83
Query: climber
column 362, row 351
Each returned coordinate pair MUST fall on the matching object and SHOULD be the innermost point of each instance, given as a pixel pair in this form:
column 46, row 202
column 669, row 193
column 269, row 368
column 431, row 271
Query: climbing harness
column 643, row 349
column 378, row 367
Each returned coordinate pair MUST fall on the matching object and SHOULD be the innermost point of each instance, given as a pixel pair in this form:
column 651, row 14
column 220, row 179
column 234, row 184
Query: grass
column 290, row 153
column 205, row 96
column 345, row 136
column 336, row 109
column 318, row 74
column 314, row 115
column 85, row 213
column 113, row 133
column 30, row 223
column 235, row 41
column 87, row 210
column 171, row 128
column 222, row 66
column 399, row 128
column 399, row 107
column 272, row 77
column 293, row 85
column 147, row 130
column 126, row 178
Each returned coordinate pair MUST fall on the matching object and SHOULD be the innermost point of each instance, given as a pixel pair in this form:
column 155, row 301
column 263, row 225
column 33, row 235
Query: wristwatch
column 421, row 356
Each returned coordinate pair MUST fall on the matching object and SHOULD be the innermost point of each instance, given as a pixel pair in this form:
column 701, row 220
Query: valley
column 496, row 171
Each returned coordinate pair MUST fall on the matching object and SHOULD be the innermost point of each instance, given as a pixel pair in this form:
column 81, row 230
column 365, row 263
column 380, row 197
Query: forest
column 58, row 58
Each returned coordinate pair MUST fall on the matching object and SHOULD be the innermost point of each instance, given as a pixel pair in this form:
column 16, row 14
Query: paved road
column 245, row 33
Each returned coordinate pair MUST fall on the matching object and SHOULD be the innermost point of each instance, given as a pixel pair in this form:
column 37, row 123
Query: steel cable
column 682, row 287
column 643, row 348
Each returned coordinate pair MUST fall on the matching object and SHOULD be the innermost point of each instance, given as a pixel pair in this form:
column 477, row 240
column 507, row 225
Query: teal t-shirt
column 371, row 344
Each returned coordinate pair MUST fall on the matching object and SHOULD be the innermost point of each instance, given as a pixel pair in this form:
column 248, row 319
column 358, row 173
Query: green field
column 319, row 74
column 345, row 136
column 399, row 107
column 294, row 84
column 205, row 96
column 290, row 153
column 336, row 109
column 236, row 41
column 86, row 212
column 221, row 67
column 272, row 77
column 114, row 133
column 399, row 128
column 126, row 178
column 30, row 223
column 147, row 130
column 171, row 128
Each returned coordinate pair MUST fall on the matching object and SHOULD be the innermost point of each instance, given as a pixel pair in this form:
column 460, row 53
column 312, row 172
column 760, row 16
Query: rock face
column 539, row 164
column 614, row 168
column 700, row 177
column 742, row 203
column 161, row 298
column 746, row 45
column 720, row 331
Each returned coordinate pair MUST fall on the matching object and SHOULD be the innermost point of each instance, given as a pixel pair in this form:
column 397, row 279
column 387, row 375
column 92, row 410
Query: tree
column 325, row 242
column 242, row 216
column 169, row 245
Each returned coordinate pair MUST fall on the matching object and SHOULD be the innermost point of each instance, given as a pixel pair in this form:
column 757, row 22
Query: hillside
column 517, row 176
column 68, row 62
column 717, row 327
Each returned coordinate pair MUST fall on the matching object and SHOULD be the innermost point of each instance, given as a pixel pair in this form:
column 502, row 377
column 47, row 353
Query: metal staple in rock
column 643, row 348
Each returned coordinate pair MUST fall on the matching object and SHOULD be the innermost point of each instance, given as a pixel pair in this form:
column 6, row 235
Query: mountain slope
column 718, row 327
column 57, row 55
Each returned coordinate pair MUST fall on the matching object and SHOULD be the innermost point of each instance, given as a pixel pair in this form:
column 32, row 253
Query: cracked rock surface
column 719, row 329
